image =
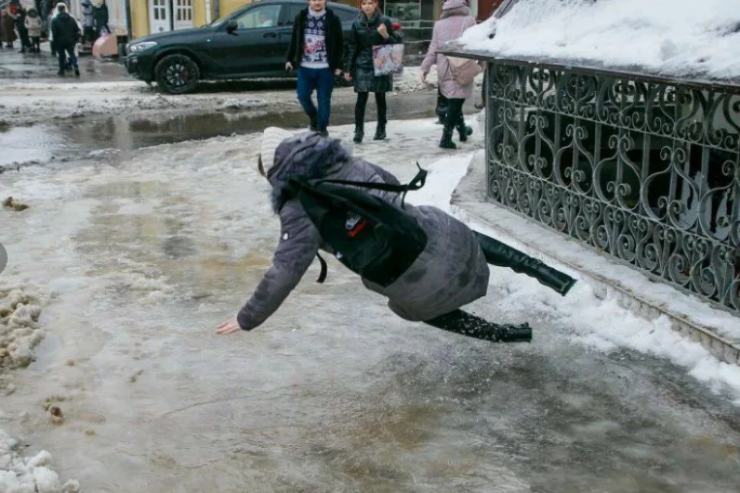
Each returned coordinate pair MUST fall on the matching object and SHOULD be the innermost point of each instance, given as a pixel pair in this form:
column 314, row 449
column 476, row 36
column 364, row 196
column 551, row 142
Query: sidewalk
column 716, row 330
column 19, row 67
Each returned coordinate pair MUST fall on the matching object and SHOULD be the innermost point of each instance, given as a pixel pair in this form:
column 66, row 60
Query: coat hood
column 305, row 156
column 454, row 7
column 454, row 4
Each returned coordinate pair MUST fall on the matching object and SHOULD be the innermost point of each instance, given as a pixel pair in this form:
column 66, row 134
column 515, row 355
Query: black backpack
column 373, row 238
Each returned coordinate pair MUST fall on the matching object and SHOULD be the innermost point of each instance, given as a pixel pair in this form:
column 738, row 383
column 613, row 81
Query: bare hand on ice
column 228, row 327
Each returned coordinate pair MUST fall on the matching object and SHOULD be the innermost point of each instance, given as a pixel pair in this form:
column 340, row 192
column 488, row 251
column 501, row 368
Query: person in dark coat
column 315, row 51
column 20, row 27
column 451, row 271
column 100, row 17
column 371, row 28
column 66, row 34
column 8, row 27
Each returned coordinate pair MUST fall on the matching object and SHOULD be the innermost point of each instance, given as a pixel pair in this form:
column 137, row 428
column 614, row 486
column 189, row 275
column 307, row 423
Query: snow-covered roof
column 684, row 38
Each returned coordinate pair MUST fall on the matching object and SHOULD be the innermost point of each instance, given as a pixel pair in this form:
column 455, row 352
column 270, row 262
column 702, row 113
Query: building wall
column 139, row 18
column 486, row 8
column 228, row 6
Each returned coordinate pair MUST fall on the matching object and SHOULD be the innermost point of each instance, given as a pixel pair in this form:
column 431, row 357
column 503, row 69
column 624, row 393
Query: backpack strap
column 416, row 183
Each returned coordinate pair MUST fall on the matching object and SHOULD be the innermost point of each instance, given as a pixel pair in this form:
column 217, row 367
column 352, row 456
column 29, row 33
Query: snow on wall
column 668, row 37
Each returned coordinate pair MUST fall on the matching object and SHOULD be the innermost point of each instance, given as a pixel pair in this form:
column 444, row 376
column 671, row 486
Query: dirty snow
column 29, row 102
column 671, row 37
column 144, row 256
column 600, row 324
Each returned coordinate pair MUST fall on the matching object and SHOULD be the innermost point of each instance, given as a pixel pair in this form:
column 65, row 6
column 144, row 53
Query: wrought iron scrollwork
column 648, row 172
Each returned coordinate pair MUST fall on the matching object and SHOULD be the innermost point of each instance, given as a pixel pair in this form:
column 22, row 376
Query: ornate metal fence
column 646, row 170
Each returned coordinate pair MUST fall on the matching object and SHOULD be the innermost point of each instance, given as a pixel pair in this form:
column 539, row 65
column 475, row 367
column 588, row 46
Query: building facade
column 137, row 18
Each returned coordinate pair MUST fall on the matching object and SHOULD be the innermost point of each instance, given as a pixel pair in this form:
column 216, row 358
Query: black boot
column 502, row 255
column 380, row 132
column 77, row 71
column 313, row 126
column 359, row 134
column 460, row 322
column 446, row 142
column 464, row 131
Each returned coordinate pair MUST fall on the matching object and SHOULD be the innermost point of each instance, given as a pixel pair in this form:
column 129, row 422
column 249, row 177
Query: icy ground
column 670, row 37
column 28, row 102
column 137, row 257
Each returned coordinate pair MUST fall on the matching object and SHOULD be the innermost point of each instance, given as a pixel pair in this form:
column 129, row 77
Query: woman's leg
column 360, row 116
column 460, row 322
column 454, row 112
column 382, row 115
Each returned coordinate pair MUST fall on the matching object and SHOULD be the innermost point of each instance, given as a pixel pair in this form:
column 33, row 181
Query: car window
column 346, row 14
column 292, row 11
column 263, row 16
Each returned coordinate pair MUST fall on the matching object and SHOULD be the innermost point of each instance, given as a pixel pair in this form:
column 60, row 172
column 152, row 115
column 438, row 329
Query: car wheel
column 177, row 74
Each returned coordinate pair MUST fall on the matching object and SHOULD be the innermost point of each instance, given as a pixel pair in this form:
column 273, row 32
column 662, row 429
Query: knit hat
column 271, row 139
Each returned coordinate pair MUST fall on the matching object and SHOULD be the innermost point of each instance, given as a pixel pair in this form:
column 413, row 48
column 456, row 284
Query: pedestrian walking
column 53, row 15
column 8, row 28
column 100, row 18
column 315, row 51
column 20, row 26
column 453, row 21
column 370, row 28
column 66, row 34
column 88, row 21
column 33, row 25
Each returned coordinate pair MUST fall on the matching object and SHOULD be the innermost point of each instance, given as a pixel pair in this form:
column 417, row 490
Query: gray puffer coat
column 449, row 273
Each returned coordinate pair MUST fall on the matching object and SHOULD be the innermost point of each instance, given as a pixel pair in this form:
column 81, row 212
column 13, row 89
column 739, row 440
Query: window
column 263, row 16
column 403, row 10
column 345, row 14
column 293, row 10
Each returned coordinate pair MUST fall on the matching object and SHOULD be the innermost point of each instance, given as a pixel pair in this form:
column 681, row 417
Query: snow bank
column 19, row 333
column 600, row 324
column 670, row 37
column 29, row 474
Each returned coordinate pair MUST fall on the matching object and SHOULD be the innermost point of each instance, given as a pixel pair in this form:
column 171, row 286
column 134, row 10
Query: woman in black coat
column 371, row 28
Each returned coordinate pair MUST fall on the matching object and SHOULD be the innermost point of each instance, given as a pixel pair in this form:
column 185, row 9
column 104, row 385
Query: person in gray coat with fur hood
column 450, row 272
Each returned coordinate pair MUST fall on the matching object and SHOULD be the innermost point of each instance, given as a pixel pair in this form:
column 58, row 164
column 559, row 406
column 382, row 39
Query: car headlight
column 137, row 47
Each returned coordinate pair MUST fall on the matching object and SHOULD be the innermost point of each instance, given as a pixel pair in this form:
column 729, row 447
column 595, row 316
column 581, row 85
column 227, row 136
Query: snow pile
column 29, row 475
column 19, row 332
column 671, row 37
column 600, row 324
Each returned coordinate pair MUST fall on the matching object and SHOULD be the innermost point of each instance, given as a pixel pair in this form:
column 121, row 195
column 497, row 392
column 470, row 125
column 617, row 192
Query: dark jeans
column 25, row 40
column 362, row 98
column 321, row 80
column 441, row 108
column 36, row 44
column 62, row 52
column 89, row 34
column 454, row 113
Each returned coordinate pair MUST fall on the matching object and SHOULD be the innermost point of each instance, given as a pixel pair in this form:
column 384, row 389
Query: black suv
column 248, row 43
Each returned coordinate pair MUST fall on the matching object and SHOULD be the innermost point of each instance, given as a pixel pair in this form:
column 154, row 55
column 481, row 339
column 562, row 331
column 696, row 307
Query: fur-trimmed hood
column 307, row 156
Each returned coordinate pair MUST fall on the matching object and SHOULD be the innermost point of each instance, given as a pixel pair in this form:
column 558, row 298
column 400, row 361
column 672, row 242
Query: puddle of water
column 126, row 132
column 38, row 143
